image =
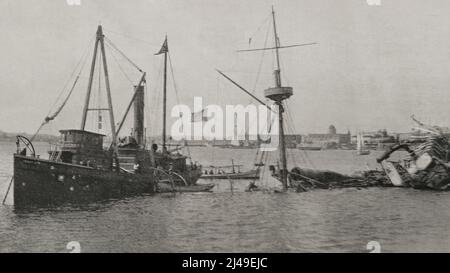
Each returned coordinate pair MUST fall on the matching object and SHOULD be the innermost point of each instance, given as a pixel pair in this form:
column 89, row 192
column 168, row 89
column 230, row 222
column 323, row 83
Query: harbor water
column 232, row 220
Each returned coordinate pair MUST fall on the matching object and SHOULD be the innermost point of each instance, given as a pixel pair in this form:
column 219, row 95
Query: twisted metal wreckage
column 425, row 166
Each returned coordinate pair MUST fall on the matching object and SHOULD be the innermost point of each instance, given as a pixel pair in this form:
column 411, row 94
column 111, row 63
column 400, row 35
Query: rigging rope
column 123, row 54
column 178, row 98
column 292, row 124
column 120, row 67
column 131, row 37
column 157, row 101
column 262, row 59
column 83, row 57
column 50, row 116
column 259, row 28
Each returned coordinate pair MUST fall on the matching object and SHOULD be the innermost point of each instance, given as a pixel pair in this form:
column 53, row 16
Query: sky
column 373, row 66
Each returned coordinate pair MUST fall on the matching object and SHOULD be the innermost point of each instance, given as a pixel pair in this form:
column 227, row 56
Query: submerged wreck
column 423, row 166
column 426, row 165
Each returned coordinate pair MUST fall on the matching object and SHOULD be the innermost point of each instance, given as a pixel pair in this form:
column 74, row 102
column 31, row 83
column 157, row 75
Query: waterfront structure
column 330, row 140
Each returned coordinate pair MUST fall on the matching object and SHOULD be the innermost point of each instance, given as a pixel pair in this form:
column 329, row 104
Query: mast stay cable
column 177, row 97
column 119, row 65
column 123, row 54
column 50, row 116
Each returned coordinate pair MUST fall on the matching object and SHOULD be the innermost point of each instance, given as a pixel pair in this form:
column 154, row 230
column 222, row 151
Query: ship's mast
column 164, row 50
column 100, row 41
column 278, row 94
column 277, row 72
column 165, row 99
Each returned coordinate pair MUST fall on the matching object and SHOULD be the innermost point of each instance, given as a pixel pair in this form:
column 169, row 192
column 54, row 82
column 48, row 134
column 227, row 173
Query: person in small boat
column 211, row 172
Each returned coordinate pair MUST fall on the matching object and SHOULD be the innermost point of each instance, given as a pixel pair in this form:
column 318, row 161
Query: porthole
column 61, row 178
column 71, row 188
column 24, row 184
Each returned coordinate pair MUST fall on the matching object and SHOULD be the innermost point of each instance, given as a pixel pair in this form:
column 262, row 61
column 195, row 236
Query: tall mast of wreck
column 277, row 72
column 165, row 98
column 278, row 94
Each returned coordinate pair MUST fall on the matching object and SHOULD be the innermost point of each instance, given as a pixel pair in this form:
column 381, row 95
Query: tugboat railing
column 169, row 175
column 181, row 177
column 27, row 143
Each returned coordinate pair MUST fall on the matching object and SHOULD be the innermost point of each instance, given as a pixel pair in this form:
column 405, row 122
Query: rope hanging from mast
column 50, row 116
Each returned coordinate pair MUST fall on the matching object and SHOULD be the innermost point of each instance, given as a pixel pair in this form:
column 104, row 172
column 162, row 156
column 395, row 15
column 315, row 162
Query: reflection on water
column 224, row 221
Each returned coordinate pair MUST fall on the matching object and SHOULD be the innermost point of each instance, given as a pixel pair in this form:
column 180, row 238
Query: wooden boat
column 79, row 169
column 252, row 174
column 232, row 171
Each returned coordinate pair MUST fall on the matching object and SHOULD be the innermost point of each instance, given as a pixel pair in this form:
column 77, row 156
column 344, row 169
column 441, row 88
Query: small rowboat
column 168, row 187
column 232, row 171
column 253, row 174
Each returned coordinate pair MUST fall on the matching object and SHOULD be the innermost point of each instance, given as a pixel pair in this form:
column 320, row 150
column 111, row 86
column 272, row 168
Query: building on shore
column 293, row 140
column 330, row 140
column 377, row 140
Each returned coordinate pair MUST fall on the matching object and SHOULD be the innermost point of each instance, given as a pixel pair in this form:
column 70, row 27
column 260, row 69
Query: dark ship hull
column 39, row 182
column 80, row 169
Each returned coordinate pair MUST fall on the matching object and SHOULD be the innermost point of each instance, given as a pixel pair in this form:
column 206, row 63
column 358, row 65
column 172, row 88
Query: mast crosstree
column 277, row 94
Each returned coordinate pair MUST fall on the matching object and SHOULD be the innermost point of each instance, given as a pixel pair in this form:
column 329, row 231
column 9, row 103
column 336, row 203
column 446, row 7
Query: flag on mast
column 164, row 48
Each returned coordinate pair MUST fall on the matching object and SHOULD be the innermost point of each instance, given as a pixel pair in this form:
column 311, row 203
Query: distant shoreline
column 8, row 137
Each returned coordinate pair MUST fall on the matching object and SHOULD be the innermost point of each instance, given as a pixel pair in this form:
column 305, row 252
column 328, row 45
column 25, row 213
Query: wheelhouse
column 82, row 148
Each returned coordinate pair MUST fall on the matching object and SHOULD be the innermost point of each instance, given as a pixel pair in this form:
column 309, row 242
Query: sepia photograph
column 252, row 127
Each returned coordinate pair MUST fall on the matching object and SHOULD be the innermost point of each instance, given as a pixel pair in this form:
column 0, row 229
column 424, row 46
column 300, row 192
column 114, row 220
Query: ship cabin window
column 67, row 137
column 83, row 138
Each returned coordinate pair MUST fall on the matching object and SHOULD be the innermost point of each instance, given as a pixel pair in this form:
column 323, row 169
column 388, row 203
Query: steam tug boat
column 80, row 169
column 80, row 172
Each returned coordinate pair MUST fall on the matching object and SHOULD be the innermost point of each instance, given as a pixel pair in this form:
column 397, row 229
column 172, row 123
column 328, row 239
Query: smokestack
column 139, row 115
